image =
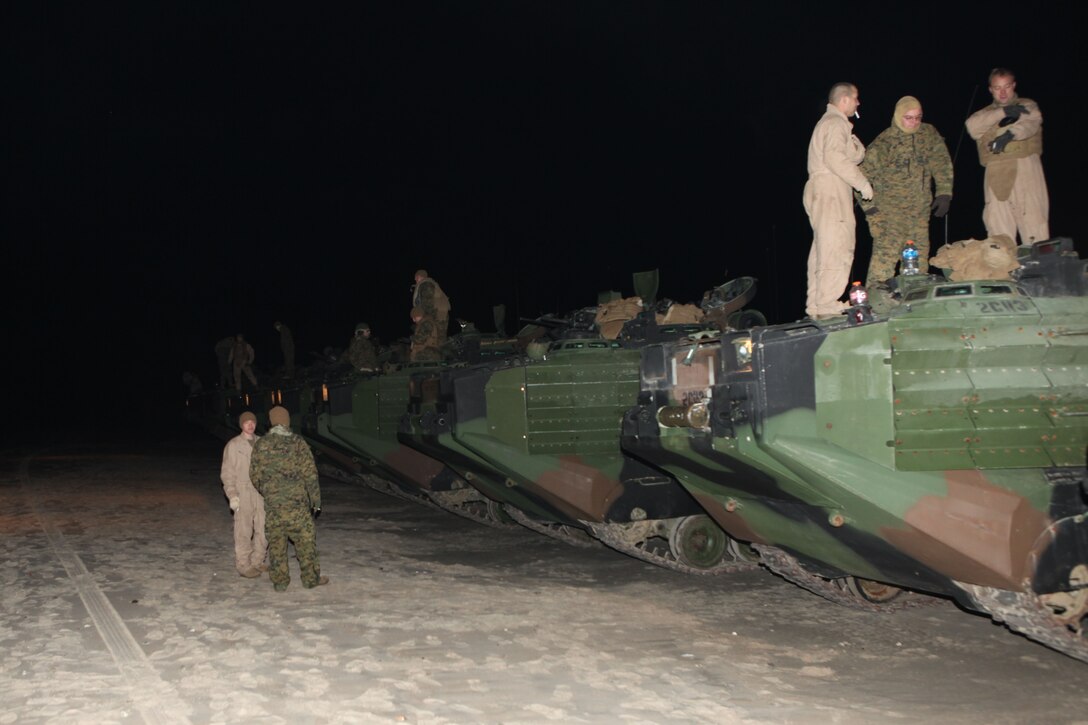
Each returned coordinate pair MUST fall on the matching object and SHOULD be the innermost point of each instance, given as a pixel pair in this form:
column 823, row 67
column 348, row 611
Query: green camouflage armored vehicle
column 541, row 437
column 938, row 448
column 354, row 428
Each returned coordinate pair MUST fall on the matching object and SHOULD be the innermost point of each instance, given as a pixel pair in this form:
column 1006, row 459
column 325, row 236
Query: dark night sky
column 178, row 172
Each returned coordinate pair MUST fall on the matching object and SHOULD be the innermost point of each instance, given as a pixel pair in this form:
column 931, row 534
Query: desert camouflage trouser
column 296, row 526
column 891, row 228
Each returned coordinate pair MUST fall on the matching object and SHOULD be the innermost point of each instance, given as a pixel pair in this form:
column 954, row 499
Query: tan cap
column 279, row 416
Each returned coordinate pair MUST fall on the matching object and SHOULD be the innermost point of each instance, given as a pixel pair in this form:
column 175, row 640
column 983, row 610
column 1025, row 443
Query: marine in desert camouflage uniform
column 903, row 164
column 284, row 473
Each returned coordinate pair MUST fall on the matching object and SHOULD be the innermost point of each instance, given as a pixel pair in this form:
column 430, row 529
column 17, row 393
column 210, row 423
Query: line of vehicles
column 929, row 445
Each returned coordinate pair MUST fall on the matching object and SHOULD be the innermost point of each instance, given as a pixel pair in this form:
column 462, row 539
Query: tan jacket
column 235, row 471
column 834, row 149
column 1027, row 132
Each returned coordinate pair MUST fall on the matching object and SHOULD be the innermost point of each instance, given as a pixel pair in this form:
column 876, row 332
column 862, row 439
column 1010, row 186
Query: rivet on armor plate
column 837, row 520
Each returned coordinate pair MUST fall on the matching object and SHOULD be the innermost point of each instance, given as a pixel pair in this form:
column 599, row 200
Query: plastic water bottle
column 858, row 294
column 910, row 259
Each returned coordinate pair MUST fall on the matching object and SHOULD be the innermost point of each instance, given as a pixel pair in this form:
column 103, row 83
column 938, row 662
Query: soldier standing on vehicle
column 250, row 545
column 425, row 345
column 903, row 164
column 283, row 471
column 192, row 383
column 834, row 153
column 1009, row 134
column 241, row 357
column 222, row 357
column 287, row 346
column 429, row 297
column 362, row 353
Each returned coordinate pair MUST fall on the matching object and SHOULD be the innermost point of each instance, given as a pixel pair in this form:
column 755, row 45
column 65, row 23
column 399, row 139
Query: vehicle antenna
column 959, row 142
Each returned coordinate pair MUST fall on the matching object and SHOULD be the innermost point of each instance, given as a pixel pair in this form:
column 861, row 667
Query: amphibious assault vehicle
column 541, row 438
column 936, row 448
column 539, row 435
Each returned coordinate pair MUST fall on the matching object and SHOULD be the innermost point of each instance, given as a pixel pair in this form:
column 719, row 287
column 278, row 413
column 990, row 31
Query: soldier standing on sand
column 425, row 345
column 250, row 545
column 429, row 297
column 241, row 357
column 287, row 346
column 904, row 163
column 283, row 471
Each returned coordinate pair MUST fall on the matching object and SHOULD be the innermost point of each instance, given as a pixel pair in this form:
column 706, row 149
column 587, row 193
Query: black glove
column 941, row 204
column 1014, row 112
column 871, row 212
column 998, row 144
column 316, row 512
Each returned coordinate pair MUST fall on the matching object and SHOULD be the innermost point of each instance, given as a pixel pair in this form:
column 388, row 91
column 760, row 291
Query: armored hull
column 938, row 448
column 542, row 438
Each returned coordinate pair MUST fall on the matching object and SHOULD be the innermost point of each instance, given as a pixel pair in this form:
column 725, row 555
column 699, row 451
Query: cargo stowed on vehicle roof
column 938, row 448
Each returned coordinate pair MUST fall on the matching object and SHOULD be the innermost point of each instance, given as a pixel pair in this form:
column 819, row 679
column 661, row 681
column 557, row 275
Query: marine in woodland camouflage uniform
column 425, row 340
column 362, row 352
column 283, row 471
column 428, row 296
column 904, row 163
